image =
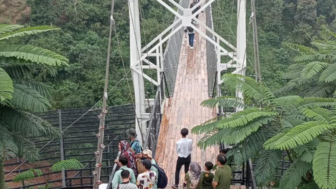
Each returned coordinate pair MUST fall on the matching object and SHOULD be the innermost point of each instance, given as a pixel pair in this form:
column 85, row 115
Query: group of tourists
column 138, row 169
column 194, row 177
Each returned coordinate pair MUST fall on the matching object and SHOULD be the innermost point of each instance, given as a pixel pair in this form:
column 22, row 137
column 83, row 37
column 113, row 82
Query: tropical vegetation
column 21, row 95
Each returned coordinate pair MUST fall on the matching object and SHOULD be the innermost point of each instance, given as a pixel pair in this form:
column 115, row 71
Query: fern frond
column 6, row 86
column 267, row 164
column 329, row 74
column 269, row 144
column 248, row 148
column 69, row 164
column 226, row 102
column 208, row 126
column 301, row 134
column 292, row 176
column 291, row 74
column 6, row 28
column 313, row 68
column 244, row 117
column 300, row 48
column 318, row 114
column 306, row 152
column 27, row 175
column 29, row 99
column 7, row 144
column 27, row 123
column 234, row 135
column 27, row 31
column 320, row 91
column 33, row 54
column 20, row 71
column 324, row 165
column 309, row 102
column 41, row 88
column 249, row 87
column 287, row 101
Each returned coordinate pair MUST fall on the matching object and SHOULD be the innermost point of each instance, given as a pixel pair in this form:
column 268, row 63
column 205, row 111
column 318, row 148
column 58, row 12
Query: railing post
column 61, row 143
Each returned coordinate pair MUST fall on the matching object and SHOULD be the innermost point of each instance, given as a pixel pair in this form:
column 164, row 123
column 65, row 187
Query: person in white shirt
column 183, row 149
column 148, row 179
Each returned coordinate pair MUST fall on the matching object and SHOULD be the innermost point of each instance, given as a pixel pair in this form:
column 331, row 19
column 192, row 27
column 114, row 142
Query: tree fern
column 27, row 175
column 300, row 134
column 292, row 176
column 318, row 114
column 7, row 145
column 208, row 126
column 29, row 99
column 248, row 148
column 329, row 74
column 313, row 68
column 324, row 165
column 26, row 123
column 317, row 102
column 306, row 152
column 68, row 164
column 267, row 164
column 226, row 102
column 234, row 135
column 287, row 101
column 5, row 28
column 6, row 86
column 26, row 31
column 33, row 54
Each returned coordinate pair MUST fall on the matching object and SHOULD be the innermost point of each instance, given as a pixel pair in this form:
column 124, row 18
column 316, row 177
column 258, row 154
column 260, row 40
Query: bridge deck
column 184, row 109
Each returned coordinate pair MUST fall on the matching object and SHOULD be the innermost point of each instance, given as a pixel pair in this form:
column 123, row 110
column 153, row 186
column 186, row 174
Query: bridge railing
column 212, row 57
column 172, row 53
column 153, row 127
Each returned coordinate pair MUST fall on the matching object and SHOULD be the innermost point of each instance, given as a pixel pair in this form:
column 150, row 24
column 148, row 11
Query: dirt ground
column 12, row 11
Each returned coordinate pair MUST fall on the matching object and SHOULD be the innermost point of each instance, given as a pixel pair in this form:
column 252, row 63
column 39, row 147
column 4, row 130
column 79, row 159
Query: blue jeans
column 191, row 39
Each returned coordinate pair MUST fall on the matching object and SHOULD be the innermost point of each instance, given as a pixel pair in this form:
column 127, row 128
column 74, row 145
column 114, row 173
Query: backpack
column 162, row 177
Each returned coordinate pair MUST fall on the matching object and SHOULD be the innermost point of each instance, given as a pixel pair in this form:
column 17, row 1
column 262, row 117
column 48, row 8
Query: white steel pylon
column 140, row 55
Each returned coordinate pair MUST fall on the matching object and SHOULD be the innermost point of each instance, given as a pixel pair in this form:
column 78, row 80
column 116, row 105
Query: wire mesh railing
column 211, row 53
column 172, row 53
column 77, row 142
column 153, row 128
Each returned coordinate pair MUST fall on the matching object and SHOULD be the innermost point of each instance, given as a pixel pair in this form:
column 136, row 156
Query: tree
column 314, row 70
column 303, row 127
column 20, row 94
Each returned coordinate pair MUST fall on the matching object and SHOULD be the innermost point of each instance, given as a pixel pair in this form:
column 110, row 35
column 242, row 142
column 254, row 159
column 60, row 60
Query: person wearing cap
column 135, row 143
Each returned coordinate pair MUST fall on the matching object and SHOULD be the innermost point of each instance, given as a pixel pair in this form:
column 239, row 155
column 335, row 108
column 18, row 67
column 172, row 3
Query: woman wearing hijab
column 193, row 176
column 126, row 151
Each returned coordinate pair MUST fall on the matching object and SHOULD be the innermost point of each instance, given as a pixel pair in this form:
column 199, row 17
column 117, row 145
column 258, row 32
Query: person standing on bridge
column 223, row 174
column 135, row 143
column 191, row 35
column 183, row 149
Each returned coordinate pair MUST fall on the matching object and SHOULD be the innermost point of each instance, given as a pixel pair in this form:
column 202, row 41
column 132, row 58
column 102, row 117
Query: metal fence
column 172, row 53
column 211, row 54
column 153, row 128
column 79, row 142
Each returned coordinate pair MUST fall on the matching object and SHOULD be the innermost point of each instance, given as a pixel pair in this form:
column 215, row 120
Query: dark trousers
column 181, row 161
column 191, row 39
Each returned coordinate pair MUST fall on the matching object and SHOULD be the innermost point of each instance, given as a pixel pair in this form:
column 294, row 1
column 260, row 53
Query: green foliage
column 10, row 33
column 6, row 86
column 324, row 165
column 266, row 165
column 68, row 164
column 34, row 100
column 300, row 134
column 293, row 175
column 27, row 175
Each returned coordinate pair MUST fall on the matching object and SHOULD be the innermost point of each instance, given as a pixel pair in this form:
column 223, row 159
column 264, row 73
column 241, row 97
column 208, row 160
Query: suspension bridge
column 183, row 78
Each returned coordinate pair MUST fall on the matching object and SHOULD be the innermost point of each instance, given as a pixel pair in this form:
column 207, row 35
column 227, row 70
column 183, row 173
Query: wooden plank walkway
column 184, row 109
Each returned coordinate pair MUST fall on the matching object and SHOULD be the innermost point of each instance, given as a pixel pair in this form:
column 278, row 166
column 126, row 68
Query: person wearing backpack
column 147, row 179
column 126, row 184
column 117, row 179
column 192, row 178
column 135, row 143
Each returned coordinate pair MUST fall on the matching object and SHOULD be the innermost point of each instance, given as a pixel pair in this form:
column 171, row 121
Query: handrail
column 109, row 184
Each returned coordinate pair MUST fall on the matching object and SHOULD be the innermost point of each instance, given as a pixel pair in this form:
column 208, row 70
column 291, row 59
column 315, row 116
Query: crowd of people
column 139, row 170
